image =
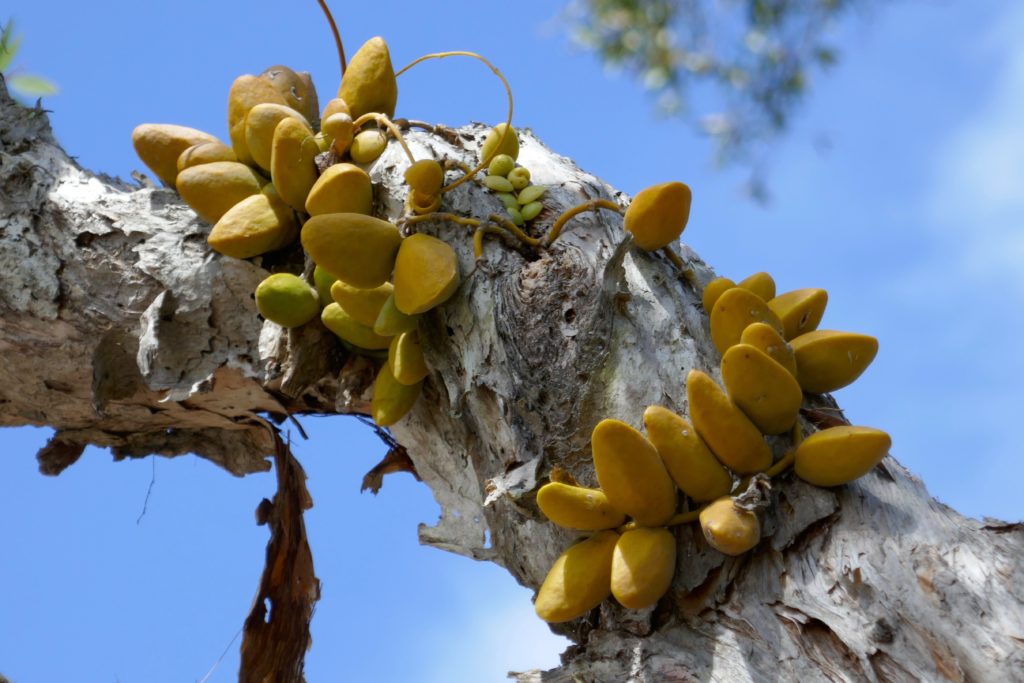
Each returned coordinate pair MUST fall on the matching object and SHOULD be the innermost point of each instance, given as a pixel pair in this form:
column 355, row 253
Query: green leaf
column 33, row 85
column 5, row 35
column 8, row 48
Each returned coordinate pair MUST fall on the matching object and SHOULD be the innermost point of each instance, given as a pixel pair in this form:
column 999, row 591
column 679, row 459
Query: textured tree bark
column 129, row 333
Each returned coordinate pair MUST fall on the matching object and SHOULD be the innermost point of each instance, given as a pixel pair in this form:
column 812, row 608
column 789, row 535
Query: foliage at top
column 24, row 84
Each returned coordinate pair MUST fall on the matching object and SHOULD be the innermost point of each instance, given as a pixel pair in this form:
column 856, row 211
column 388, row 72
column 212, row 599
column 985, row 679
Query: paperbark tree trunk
column 120, row 328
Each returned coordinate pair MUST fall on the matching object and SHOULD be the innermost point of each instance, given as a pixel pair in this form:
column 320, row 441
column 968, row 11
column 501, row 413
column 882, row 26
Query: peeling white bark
column 128, row 332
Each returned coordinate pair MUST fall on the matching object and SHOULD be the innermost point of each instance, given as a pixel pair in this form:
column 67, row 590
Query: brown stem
column 337, row 36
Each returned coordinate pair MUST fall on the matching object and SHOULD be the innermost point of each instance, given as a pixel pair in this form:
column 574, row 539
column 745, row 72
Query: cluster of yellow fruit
column 771, row 354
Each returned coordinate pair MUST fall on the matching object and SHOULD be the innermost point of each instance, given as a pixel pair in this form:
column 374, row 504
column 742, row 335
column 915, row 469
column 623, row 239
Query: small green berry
column 519, row 177
column 501, row 165
column 516, row 216
column 532, row 193
column 509, row 200
column 531, row 210
column 498, row 184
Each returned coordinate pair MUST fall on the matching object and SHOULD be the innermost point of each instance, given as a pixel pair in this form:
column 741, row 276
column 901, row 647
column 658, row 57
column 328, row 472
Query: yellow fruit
column 800, row 310
column 715, row 289
column 369, row 82
column 367, row 146
column 340, row 129
column 735, row 309
column 761, row 284
column 391, row 321
column 509, row 145
column 287, row 300
column 576, row 507
column 160, row 144
column 254, row 226
column 296, row 88
column 631, row 473
column 342, row 188
column 730, row 435
column 766, row 338
column 405, row 358
column 293, row 162
column 501, row 165
column 426, row 274
column 579, row 580
column 335, row 106
column 357, row 249
column 729, row 529
column 211, row 189
column 643, row 563
column 838, row 455
column 658, row 215
column 827, row 360
column 689, row 462
column 323, row 281
column 764, row 390
column 392, row 399
column 260, row 125
column 205, row 153
column 362, row 304
column 246, row 92
column 425, row 176
column 346, row 327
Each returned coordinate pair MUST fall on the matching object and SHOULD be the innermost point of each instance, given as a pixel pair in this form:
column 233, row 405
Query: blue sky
column 911, row 215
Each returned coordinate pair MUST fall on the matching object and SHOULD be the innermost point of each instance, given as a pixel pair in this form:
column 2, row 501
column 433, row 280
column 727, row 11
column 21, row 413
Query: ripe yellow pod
column 340, row 130
column 287, row 300
column 160, row 144
column 211, row 189
column 838, row 455
column 254, row 226
column 729, row 529
column 205, row 153
column 335, row 106
column 764, row 390
column 367, row 145
column 405, row 358
column 692, row 466
column 631, row 473
column 800, row 310
column 297, row 89
column 579, row 580
column 369, row 82
column 827, row 360
column 324, row 280
column 730, row 435
column 761, row 284
column 246, row 92
column 658, row 215
column 426, row 274
column 768, row 339
column 576, row 507
column 260, row 125
column 345, row 327
column 509, row 144
column 715, row 289
column 735, row 309
column 425, row 176
column 357, row 249
column 342, row 188
column 643, row 564
column 391, row 321
column 362, row 304
column 293, row 162
column 392, row 399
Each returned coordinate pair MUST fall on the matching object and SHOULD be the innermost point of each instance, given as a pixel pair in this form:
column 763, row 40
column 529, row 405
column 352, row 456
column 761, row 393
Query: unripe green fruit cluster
column 511, row 182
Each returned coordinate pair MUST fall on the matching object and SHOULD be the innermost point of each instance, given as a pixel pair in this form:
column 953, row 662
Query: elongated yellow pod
column 729, row 529
column 160, row 144
column 205, row 153
column 211, row 189
column 800, row 310
column 827, row 360
column 768, row 339
column 658, row 215
column 369, row 82
column 577, row 507
column 735, row 309
column 643, row 564
column 764, row 390
column 762, row 284
column 246, row 92
column 362, row 304
column 254, row 226
column 405, row 358
column 260, row 125
column 293, row 162
column 692, row 466
column 838, row 455
column 392, row 399
column 357, row 249
column 631, row 473
column 287, row 300
column 391, row 321
column 297, row 89
column 579, row 580
column 345, row 326
column 342, row 188
column 715, row 289
column 426, row 273
column 730, row 435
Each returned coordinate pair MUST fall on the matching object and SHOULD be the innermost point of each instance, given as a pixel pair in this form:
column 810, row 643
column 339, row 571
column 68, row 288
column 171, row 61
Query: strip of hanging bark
column 276, row 632
column 397, row 460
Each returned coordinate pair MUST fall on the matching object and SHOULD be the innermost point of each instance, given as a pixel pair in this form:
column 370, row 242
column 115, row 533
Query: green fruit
column 293, row 162
column 531, row 211
column 631, row 473
column 287, row 300
column 160, row 144
column 369, row 82
column 256, row 225
column 765, row 391
column 730, row 435
column 576, row 507
column 800, row 311
column 658, row 215
column 211, row 189
column 692, row 466
column 509, row 200
column 761, row 284
column 498, row 184
column 342, row 188
column 838, row 455
column 579, row 580
column 426, row 274
column 715, row 289
column 260, row 125
column 643, row 563
column 205, row 153
column 358, row 249
column 323, row 281
column 531, row 194
column 828, row 360
column 362, row 304
column 405, row 358
column 734, row 310
column 519, row 177
column 729, row 529
column 767, row 339
column 501, row 165
column 391, row 321
column 392, row 399
column 246, row 92
column 425, row 176
column 347, row 328
column 516, row 215
column 367, row 146
column 509, row 145
column 296, row 88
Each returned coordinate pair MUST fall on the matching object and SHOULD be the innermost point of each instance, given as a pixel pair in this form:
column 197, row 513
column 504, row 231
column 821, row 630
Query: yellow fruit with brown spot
column 342, row 188
column 211, row 189
column 761, row 284
column 577, row 507
column 579, row 580
column 729, row 529
column 735, row 309
column 426, row 274
column 838, row 455
column 297, row 89
column 715, row 289
column 768, row 339
column 256, row 225
column 800, row 311
column 631, row 473
column 349, row 329
column 692, row 466
column 369, row 82
column 246, row 92
column 643, row 564
column 392, row 400
column 357, row 249
column 293, row 162
column 764, row 390
column 730, row 434
column 828, row 360
column 658, row 215
column 362, row 304
column 405, row 358
column 205, row 153
column 260, row 125
column 160, row 144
